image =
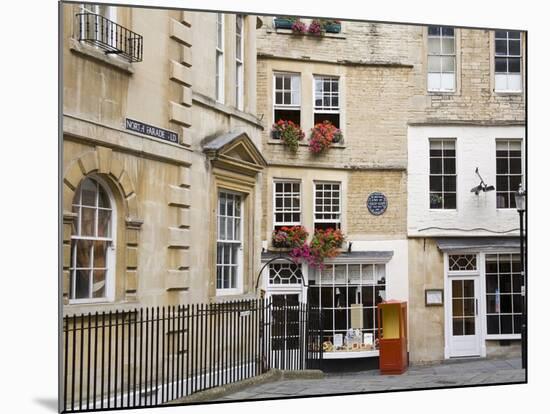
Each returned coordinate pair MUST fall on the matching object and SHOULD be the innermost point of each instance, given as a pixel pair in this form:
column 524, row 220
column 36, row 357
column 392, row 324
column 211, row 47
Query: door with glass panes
column 464, row 321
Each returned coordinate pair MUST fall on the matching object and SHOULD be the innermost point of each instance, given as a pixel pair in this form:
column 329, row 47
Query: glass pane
column 448, row 45
column 221, row 230
column 219, row 275
column 449, row 183
column 500, row 65
column 278, row 98
column 89, row 191
column 434, row 45
column 436, row 200
column 367, row 294
column 278, row 82
column 354, row 273
column 469, row 289
column 98, row 287
column 436, row 183
column 100, row 254
column 449, row 166
column 327, row 297
column 514, row 65
column 501, row 82
column 506, row 324
column 434, row 30
column 502, row 166
column 514, row 35
column 380, row 273
column 103, row 198
column 103, row 223
column 448, row 81
column 449, row 200
column 436, row 165
column 458, row 307
column 447, row 31
column 500, row 34
column 492, row 283
column 340, row 274
column 491, row 304
column 448, row 64
column 514, row 47
column 493, row 325
column 517, row 324
column 469, row 307
column 505, row 303
column 500, row 47
column 458, row 326
column 380, row 294
column 457, row 288
column 286, row 82
column 505, row 284
column 434, row 81
column 82, row 284
column 434, row 64
column 83, row 253
column 469, row 326
column 368, row 273
column 87, row 225
column 514, row 81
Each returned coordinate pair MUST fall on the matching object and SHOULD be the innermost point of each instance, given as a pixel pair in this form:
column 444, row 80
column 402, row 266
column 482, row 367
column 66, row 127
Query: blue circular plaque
column 377, row 203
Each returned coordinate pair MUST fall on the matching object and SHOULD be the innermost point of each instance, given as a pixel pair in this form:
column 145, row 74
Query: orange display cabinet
column 392, row 336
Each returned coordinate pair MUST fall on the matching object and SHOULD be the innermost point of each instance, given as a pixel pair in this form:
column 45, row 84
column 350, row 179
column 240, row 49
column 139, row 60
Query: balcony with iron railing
column 113, row 38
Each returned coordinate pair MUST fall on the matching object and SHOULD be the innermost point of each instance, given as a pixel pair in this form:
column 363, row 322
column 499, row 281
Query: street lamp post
column 520, row 206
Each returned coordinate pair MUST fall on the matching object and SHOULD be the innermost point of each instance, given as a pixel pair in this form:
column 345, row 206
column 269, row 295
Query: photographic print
column 280, row 206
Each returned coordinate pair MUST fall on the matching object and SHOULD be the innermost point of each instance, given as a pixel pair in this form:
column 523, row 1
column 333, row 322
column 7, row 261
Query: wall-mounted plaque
column 377, row 203
column 434, row 297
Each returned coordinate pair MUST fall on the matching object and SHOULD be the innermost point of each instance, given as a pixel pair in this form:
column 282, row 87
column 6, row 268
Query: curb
column 271, row 376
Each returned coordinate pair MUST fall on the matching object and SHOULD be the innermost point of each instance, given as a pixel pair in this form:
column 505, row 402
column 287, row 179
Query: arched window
column 92, row 243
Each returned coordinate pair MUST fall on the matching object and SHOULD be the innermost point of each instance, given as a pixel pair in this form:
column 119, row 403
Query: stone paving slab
column 447, row 374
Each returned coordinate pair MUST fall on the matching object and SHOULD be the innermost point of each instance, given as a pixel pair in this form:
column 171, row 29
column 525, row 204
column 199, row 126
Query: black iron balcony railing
column 113, row 38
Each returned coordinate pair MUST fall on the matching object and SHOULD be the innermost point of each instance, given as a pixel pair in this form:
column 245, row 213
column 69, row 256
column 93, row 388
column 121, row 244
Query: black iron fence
column 110, row 36
column 146, row 357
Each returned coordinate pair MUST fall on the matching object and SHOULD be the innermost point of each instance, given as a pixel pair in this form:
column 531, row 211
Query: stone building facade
column 374, row 93
column 156, row 136
column 401, row 89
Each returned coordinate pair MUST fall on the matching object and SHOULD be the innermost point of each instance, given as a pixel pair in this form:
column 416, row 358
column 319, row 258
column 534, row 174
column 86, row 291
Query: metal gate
column 295, row 333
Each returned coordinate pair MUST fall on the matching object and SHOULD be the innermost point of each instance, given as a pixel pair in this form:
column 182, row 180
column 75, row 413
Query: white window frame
column 507, row 75
column 511, row 190
column 442, row 174
column 283, row 211
column 441, row 56
column 363, row 282
column 110, row 259
column 293, row 106
column 220, row 64
column 237, row 243
column 239, row 63
column 484, row 299
column 290, row 286
column 330, row 109
column 339, row 212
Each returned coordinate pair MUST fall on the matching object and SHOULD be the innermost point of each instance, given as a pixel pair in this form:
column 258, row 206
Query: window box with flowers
column 324, row 244
column 323, row 135
column 331, row 26
column 288, row 237
column 284, row 22
column 288, row 132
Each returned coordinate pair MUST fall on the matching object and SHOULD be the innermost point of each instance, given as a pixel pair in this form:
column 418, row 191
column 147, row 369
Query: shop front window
column 347, row 295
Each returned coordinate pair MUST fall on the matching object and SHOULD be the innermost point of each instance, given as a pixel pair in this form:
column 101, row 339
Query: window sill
column 503, row 337
column 508, row 93
column 290, row 32
column 83, row 49
column 446, row 93
column 272, row 141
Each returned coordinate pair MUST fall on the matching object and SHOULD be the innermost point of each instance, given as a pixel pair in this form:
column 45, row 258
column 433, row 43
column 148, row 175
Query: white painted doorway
column 463, row 319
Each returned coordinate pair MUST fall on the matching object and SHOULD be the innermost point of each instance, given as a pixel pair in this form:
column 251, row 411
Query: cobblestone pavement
column 448, row 374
